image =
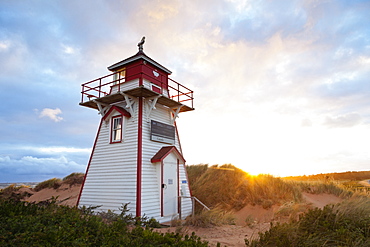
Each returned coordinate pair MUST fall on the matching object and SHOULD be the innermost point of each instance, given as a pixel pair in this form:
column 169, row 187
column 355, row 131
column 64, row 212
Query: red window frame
column 113, row 130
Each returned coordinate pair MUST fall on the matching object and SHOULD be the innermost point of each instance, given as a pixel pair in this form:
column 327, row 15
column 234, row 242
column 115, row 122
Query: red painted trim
column 111, row 129
column 164, row 152
column 162, row 188
column 178, row 188
column 118, row 109
column 88, row 165
column 139, row 157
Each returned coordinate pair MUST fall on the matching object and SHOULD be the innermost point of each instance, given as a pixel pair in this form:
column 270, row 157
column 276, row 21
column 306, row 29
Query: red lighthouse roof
column 164, row 152
column 136, row 57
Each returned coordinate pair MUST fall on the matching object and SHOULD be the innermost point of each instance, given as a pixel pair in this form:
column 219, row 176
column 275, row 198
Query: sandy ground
column 249, row 221
column 321, row 200
column 67, row 195
column 365, row 183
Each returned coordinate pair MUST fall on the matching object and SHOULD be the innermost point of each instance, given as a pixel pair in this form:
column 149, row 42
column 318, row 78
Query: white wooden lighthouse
column 137, row 156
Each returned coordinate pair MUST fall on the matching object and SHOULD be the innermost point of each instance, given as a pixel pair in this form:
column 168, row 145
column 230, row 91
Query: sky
column 280, row 87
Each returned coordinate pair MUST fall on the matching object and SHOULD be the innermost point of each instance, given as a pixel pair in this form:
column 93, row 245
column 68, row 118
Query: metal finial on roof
column 141, row 44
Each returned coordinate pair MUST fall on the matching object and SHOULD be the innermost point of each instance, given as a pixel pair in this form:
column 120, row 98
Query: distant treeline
column 354, row 176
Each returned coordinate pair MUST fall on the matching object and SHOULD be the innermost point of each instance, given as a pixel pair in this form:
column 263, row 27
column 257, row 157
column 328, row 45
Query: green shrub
column 344, row 224
column 53, row 183
column 26, row 224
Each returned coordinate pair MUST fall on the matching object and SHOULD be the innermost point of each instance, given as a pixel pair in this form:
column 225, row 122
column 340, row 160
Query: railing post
column 193, row 208
column 99, row 87
column 178, row 92
column 192, row 98
column 119, row 81
column 82, row 94
column 179, row 208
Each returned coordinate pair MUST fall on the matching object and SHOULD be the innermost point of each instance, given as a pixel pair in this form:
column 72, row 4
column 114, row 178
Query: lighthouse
column 137, row 158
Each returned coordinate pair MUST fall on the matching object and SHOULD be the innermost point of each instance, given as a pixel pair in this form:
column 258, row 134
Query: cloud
column 343, row 121
column 4, row 45
column 306, row 122
column 68, row 49
column 53, row 150
column 30, row 168
column 52, row 114
column 254, row 22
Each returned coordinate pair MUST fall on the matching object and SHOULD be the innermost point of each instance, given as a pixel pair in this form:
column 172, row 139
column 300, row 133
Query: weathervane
column 141, row 43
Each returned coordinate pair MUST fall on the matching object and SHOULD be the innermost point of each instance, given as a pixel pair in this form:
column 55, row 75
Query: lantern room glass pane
column 119, row 77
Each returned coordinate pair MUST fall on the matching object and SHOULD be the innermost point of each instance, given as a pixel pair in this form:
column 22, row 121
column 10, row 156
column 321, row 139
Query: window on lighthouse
column 116, row 132
column 119, row 76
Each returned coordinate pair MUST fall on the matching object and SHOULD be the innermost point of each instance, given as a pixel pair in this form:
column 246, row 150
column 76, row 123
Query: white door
column 169, row 187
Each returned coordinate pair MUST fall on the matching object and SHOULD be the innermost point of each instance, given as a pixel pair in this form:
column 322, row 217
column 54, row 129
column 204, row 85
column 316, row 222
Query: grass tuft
column 74, row 178
column 53, row 183
column 329, row 187
column 211, row 218
column 231, row 188
column 12, row 192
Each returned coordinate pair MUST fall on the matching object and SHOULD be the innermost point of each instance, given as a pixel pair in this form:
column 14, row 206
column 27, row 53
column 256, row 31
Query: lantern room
column 141, row 66
column 137, row 76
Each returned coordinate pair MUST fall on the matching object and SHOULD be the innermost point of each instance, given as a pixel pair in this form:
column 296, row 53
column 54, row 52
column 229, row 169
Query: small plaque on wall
column 161, row 132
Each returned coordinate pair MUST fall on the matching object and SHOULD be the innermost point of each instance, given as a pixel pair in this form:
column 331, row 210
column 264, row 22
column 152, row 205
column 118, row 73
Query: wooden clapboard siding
column 125, row 86
column 111, row 178
column 186, row 203
column 151, row 186
column 151, row 172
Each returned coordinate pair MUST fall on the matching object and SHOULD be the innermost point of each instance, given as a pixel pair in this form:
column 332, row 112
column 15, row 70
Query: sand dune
column 230, row 235
column 67, row 195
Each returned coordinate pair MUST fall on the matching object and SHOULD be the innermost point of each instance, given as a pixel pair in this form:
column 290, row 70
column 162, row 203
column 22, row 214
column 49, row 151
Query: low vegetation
column 329, row 187
column 74, row 178
column 344, row 224
column 195, row 172
column 15, row 192
column 225, row 189
column 53, row 183
column 211, row 218
column 27, row 224
column 12, row 192
column 345, row 183
column 228, row 187
column 338, row 176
